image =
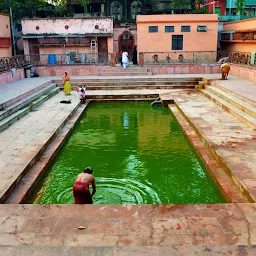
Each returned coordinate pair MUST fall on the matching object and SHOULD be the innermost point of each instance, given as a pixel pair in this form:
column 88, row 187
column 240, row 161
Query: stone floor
column 22, row 141
column 221, row 229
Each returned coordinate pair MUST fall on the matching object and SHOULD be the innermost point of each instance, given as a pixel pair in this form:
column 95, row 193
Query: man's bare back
column 86, row 178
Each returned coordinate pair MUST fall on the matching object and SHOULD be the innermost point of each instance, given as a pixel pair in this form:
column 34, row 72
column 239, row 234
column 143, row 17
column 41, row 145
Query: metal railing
column 224, row 18
column 202, row 57
column 180, row 57
column 156, row 58
column 68, row 59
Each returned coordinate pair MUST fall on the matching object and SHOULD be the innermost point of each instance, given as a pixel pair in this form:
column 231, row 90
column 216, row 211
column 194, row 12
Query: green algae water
column 139, row 155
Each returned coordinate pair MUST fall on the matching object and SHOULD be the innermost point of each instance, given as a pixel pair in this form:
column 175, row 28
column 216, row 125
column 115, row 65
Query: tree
column 240, row 6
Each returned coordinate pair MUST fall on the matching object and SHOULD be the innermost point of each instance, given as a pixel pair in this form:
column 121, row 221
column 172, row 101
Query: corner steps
column 242, row 109
column 20, row 109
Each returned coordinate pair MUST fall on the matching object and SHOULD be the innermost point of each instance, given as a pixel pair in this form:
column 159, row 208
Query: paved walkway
column 226, row 229
column 12, row 90
column 21, row 142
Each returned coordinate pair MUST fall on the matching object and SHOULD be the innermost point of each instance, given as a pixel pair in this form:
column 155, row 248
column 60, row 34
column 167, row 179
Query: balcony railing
column 72, row 58
column 235, row 17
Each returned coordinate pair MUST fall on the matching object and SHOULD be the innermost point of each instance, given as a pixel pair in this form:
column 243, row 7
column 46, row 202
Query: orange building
column 178, row 32
column 5, row 36
column 239, row 36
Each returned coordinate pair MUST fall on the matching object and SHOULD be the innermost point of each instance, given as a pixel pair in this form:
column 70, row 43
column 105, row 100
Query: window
column 116, row 10
column 201, row 29
column 136, row 8
column 169, row 28
column 177, row 42
column 185, row 28
column 153, row 29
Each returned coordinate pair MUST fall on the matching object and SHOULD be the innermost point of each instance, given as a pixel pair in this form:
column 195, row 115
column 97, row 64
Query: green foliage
column 85, row 2
column 34, row 8
column 180, row 4
column 201, row 11
column 240, row 5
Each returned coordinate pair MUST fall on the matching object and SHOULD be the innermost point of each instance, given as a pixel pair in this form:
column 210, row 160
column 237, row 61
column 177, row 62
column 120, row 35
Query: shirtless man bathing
column 81, row 187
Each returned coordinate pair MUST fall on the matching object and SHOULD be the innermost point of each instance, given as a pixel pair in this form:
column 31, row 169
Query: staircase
column 240, row 107
column 130, row 71
column 12, row 110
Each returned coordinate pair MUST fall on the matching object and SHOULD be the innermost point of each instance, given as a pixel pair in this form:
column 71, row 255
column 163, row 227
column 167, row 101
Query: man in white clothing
column 125, row 59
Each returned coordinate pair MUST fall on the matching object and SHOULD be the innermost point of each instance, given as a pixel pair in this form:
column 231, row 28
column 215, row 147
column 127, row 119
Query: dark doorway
column 126, row 42
column 102, row 50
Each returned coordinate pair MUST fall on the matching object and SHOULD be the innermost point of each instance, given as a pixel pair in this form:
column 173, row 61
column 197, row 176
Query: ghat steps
column 240, row 107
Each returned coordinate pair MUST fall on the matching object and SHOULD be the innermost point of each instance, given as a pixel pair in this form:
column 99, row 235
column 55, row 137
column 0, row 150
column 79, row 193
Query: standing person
column 81, row 187
column 66, row 83
column 125, row 59
column 134, row 55
column 120, row 57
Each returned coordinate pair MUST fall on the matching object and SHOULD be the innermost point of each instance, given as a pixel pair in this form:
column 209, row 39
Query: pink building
column 5, row 36
column 68, row 40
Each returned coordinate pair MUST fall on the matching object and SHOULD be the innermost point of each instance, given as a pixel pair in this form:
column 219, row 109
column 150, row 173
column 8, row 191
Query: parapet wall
column 9, row 76
column 244, row 72
column 95, row 70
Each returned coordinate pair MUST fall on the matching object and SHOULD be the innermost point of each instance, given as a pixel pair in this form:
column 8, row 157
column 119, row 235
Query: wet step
column 25, row 101
column 26, row 106
column 236, row 112
column 237, row 102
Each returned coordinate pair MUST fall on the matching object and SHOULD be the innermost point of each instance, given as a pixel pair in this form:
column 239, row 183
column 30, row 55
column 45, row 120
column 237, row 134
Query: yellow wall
column 240, row 25
column 162, row 41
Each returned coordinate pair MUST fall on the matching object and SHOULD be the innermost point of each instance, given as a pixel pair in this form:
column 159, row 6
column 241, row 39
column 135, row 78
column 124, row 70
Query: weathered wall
column 244, row 72
column 101, row 25
column 239, row 45
column 5, row 36
column 94, row 70
column 8, row 77
column 161, row 41
column 240, row 24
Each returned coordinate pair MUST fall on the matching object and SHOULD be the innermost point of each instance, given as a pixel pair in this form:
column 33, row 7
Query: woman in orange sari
column 66, row 83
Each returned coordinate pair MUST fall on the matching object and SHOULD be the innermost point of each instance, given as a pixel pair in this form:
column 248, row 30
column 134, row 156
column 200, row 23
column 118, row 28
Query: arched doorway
column 126, row 41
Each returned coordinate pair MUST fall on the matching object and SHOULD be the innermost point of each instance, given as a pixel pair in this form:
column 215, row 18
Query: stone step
column 27, row 186
column 126, row 73
column 129, row 80
column 25, row 101
column 124, row 97
column 237, row 95
column 12, row 118
column 238, row 103
column 239, row 114
column 9, row 102
column 133, row 68
column 215, row 149
column 135, row 87
column 6, row 194
column 229, row 190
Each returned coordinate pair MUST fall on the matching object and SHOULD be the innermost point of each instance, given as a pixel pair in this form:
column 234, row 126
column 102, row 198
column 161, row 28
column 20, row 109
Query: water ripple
column 116, row 191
